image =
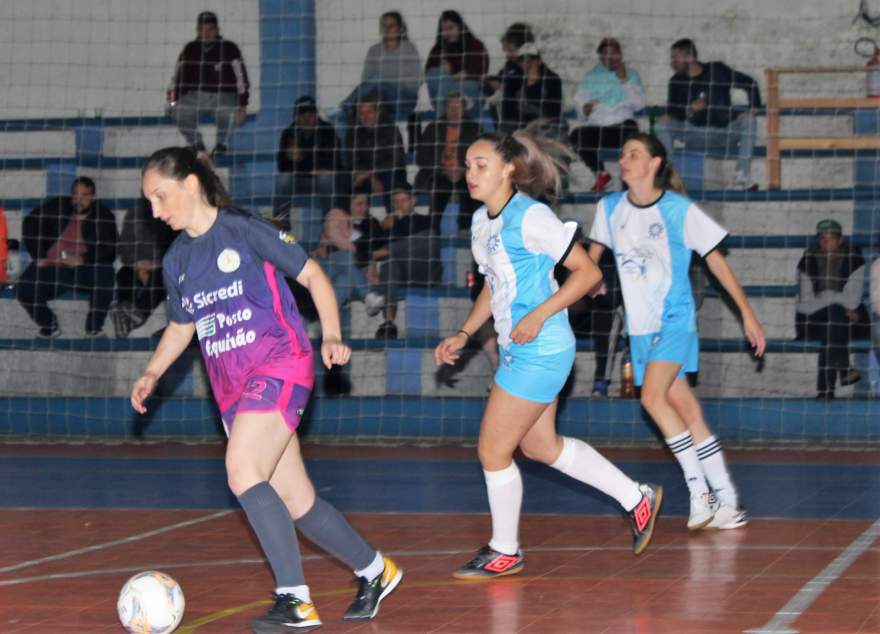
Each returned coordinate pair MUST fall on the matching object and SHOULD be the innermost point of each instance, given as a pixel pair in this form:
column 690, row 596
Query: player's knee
column 652, row 398
column 540, row 451
column 493, row 458
column 239, row 477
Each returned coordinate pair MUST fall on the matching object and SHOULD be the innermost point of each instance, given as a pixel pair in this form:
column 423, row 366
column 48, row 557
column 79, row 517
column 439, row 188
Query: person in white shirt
column 875, row 308
column 606, row 103
column 653, row 232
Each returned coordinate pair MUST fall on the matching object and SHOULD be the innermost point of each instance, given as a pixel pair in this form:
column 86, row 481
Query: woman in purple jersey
column 224, row 277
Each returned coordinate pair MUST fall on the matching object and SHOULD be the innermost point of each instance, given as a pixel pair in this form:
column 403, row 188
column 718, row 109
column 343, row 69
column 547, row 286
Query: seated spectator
column 457, row 62
column 412, row 255
column 699, row 111
column 606, row 102
column 875, row 308
column 347, row 244
column 139, row 286
column 538, row 96
column 392, row 71
column 210, row 78
column 72, row 244
column 440, row 157
column 829, row 307
column 509, row 79
column 375, row 148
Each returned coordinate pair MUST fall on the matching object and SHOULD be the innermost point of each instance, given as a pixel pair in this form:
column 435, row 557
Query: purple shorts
column 268, row 394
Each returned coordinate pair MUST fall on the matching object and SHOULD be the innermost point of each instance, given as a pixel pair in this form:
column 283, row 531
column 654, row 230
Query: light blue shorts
column 677, row 345
column 537, row 378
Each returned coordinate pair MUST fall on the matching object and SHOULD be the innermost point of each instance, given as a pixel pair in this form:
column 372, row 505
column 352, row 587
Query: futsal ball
column 150, row 603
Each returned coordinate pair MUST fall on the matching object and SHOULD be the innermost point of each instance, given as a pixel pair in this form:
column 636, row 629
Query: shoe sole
column 701, row 525
column 388, row 590
column 726, row 527
column 274, row 628
column 480, row 577
column 654, row 510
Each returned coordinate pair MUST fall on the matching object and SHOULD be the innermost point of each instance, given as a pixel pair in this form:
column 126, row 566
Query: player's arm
column 321, row 289
column 584, row 276
column 174, row 341
column 724, row 274
column 449, row 349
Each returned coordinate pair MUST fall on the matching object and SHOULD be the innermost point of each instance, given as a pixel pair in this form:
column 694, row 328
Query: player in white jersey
column 652, row 232
column 516, row 242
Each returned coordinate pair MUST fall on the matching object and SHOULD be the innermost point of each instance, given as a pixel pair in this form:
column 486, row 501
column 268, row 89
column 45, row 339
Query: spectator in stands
column 829, row 309
column 508, row 81
column 699, row 110
column 606, row 103
column 412, row 255
column 139, row 286
column 537, row 96
column 458, row 62
column 392, row 71
column 875, row 309
column 210, row 78
column 72, row 244
column 375, row 148
column 440, row 157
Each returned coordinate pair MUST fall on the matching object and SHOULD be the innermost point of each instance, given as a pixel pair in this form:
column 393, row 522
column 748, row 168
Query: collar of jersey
column 649, row 205
column 503, row 207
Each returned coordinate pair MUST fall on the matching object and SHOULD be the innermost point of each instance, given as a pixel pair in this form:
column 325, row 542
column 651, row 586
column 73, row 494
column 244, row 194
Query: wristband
column 464, row 332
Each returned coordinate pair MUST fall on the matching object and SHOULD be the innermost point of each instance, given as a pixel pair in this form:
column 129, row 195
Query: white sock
column 505, row 491
column 300, row 592
column 682, row 447
column 373, row 570
column 715, row 468
column 580, row 461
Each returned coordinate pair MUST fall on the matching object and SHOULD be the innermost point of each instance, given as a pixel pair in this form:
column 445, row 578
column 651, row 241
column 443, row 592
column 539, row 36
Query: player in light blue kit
column 225, row 280
column 653, row 232
column 517, row 241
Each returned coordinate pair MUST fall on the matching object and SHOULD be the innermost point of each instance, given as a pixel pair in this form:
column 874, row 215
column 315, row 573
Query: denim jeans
column 197, row 102
column 349, row 281
column 737, row 139
column 38, row 285
column 440, row 84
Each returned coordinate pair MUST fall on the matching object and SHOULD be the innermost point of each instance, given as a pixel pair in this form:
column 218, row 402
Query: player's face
column 81, row 197
column 360, row 205
column 487, row 173
column 636, row 164
column 173, row 201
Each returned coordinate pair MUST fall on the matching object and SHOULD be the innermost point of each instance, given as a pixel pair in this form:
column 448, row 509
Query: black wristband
column 465, row 332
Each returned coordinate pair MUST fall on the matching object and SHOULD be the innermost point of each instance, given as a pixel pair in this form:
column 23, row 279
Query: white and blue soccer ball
column 150, row 603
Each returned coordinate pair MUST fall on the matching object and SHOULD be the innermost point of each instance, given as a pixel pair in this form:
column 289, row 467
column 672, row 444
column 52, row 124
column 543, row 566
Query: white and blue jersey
column 652, row 247
column 517, row 251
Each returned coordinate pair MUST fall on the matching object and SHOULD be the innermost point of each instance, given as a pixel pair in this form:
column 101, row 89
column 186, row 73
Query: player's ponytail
column 180, row 162
column 666, row 177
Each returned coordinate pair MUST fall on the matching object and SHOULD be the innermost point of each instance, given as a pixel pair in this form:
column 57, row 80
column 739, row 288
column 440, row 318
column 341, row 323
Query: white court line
column 117, row 542
column 398, row 553
column 811, row 590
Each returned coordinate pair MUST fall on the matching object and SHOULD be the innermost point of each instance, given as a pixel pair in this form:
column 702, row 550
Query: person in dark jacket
column 699, row 110
column 538, row 96
column 139, row 286
column 72, row 244
column 457, row 62
column 210, row 78
column 375, row 148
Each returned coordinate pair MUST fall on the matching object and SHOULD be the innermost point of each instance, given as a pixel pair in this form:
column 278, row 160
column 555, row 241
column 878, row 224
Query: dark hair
column 606, row 42
column 401, row 24
column 454, row 17
column 362, row 189
column 180, row 162
column 518, row 34
column 687, row 46
column 540, row 163
column 666, row 177
column 85, row 181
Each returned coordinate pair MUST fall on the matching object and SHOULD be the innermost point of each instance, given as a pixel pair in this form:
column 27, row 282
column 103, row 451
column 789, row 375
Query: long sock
column 328, row 528
column 505, row 491
column 715, row 467
column 300, row 592
column 580, row 461
column 374, row 569
column 682, row 447
column 271, row 522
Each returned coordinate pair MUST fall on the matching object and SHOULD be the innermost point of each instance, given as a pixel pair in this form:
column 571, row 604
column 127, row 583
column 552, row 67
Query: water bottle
column 627, row 386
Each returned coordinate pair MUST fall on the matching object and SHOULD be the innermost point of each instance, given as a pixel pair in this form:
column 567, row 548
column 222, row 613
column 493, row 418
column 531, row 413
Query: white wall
column 749, row 34
column 110, row 57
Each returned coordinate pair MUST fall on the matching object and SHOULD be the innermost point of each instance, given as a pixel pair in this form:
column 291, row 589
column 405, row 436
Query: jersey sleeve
column 600, row 232
column 275, row 246
column 173, row 306
column 701, row 233
column 543, row 232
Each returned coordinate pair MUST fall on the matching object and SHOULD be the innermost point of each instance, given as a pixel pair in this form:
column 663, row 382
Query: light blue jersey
column 516, row 252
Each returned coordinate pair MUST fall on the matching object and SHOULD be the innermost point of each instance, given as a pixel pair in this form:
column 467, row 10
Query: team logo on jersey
column 635, row 262
column 493, row 243
column 187, row 305
column 286, row 237
column 656, row 339
column 206, row 326
column 228, row 261
column 655, row 231
column 181, row 277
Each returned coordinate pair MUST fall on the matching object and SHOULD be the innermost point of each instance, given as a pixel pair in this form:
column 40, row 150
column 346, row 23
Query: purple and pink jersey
column 230, row 282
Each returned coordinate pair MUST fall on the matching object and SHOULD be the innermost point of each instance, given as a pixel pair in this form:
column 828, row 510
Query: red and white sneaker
column 490, row 563
column 643, row 516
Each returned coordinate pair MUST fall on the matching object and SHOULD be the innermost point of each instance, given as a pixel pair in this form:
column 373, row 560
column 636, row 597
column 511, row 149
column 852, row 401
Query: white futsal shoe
column 703, row 508
column 727, row 517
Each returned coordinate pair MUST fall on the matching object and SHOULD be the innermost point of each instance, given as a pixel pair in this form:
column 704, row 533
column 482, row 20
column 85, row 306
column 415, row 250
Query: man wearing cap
column 210, row 78
column 829, row 309
column 308, row 157
column 538, row 96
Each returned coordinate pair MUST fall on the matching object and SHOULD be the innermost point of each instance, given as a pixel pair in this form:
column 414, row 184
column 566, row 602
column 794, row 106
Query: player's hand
column 599, row 289
column 142, row 388
column 755, row 334
column 449, row 349
column 240, row 116
column 527, row 329
column 333, row 351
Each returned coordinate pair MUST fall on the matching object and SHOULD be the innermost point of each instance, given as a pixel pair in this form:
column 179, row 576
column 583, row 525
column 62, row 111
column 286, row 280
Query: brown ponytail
column 180, row 162
column 666, row 177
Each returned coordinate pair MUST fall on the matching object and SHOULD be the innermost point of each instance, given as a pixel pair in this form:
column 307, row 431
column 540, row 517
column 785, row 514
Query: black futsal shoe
column 289, row 614
column 490, row 563
column 643, row 516
column 370, row 593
